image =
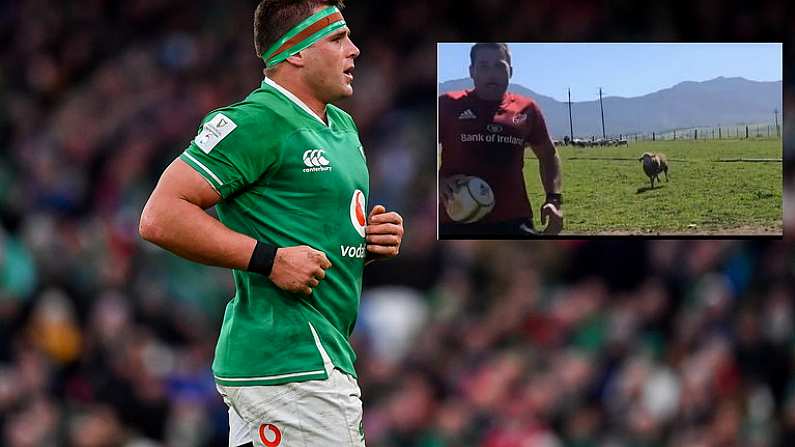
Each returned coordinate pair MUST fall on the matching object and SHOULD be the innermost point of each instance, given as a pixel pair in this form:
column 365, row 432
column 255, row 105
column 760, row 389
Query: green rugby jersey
column 286, row 178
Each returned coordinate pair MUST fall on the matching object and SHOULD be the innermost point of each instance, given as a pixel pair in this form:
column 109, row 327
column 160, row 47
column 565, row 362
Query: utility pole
column 777, row 131
column 571, row 126
column 604, row 137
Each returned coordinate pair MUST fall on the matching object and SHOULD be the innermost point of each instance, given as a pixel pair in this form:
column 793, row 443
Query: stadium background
column 106, row 340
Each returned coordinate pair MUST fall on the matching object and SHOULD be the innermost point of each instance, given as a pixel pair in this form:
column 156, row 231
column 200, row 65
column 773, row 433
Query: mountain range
column 721, row 101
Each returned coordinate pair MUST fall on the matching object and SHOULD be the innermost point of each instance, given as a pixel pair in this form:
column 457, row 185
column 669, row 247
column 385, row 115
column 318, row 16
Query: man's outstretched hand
column 447, row 186
column 552, row 217
column 384, row 234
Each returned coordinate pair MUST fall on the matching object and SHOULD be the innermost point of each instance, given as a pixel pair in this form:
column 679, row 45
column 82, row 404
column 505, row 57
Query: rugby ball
column 472, row 200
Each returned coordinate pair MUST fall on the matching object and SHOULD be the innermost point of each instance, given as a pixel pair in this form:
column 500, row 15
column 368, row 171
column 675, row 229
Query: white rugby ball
column 472, row 200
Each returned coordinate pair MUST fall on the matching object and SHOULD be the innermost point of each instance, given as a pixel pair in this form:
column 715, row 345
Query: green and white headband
column 303, row 35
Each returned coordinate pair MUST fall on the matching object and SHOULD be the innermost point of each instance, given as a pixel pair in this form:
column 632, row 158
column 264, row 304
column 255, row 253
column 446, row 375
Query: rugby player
column 483, row 132
column 287, row 174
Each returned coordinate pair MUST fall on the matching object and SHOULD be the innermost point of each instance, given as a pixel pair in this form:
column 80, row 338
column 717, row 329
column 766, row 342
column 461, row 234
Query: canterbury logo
column 467, row 115
column 270, row 431
column 315, row 158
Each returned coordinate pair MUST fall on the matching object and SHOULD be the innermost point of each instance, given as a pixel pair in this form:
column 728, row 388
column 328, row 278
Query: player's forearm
column 188, row 231
column 550, row 171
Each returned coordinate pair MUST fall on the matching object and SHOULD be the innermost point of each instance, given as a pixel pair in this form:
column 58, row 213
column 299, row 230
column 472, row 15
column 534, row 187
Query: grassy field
column 606, row 191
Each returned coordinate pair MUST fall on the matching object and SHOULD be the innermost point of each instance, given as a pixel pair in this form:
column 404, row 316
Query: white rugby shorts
column 301, row 414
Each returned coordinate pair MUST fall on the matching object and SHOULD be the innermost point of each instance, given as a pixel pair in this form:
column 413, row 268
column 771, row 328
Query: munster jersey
column 286, row 178
column 487, row 139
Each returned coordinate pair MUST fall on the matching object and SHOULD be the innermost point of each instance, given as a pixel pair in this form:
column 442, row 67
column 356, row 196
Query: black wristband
column 556, row 198
column 262, row 258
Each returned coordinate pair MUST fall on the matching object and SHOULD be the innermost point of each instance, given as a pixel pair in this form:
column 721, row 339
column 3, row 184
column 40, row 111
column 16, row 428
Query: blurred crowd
column 106, row 340
column 586, row 343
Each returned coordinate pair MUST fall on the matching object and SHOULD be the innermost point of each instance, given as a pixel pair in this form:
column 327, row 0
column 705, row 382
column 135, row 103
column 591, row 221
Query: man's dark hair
column 490, row 46
column 273, row 18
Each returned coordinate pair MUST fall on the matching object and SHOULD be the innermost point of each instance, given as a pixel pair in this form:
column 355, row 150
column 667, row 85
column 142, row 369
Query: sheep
column 580, row 143
column 653, row 165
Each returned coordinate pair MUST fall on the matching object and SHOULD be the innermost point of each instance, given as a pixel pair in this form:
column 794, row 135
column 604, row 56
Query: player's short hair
column 490, row 46
column 273, row 18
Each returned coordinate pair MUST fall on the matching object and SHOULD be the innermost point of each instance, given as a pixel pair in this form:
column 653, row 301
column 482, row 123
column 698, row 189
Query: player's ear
column 510, row 71
column 297, row 59
column 472, row 71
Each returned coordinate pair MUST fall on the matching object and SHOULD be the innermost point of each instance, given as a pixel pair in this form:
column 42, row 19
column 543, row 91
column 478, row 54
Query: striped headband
column 303, row 35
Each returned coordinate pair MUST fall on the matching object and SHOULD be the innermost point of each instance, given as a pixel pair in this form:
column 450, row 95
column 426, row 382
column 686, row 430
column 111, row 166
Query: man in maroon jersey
column 483, row 132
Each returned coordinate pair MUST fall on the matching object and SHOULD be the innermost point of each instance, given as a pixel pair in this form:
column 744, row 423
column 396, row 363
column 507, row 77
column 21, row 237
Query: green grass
column 606, row 191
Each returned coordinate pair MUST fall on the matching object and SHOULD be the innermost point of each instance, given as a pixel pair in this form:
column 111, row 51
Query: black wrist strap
column 555, row 198
column 262, row 258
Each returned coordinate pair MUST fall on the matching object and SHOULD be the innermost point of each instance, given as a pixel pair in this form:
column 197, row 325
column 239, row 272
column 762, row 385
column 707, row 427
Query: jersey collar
column 497, row 102
column 294, row 99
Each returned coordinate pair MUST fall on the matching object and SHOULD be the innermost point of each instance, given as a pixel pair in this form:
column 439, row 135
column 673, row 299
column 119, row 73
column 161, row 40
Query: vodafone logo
column 358, row 218
column 315, row 160
column 270, row 435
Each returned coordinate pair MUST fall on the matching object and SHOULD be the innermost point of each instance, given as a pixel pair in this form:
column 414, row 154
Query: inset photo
column 543, row 140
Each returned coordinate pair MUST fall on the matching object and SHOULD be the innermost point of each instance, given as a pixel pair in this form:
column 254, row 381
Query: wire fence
column 735, row 132
column 738, row 131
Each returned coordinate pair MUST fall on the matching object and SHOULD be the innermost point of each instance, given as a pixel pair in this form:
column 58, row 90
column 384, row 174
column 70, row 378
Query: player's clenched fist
column 299, row 269
column 384, row 233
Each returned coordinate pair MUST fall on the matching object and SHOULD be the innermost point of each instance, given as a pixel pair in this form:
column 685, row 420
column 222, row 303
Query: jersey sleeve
column 538, row 126
column 444, row 111
column 230, row 152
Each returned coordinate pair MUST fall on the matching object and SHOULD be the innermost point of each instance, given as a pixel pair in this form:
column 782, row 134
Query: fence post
column 695, row 134
column 746, row 131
